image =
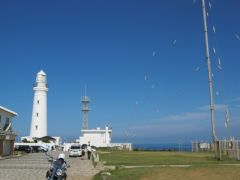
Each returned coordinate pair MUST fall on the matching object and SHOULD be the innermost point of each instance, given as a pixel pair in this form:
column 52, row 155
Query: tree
column 25, row 140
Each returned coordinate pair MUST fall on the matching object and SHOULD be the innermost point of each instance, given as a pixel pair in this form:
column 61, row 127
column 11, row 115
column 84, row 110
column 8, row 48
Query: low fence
column 180, row 147
column 202, row 146
column 229, row 148
column 122, row 146
column 222, row 148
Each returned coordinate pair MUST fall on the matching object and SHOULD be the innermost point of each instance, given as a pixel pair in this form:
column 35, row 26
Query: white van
column 75, row 151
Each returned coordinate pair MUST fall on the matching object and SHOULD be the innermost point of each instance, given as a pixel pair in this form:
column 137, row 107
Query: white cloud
column 175, row 130
column 184, row 125
column 236, row 99
column 187, row 116
column 203, row 113
column 164, row 128
column 218, row 107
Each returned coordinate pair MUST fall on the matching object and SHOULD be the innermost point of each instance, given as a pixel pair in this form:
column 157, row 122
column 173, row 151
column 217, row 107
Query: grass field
column 159, row 158
column 203, row 166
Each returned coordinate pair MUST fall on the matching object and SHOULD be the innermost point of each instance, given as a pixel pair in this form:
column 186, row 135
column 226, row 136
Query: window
column 37, row 114
column 6, row 124
column 7, row 120
column 36, row 127
column 38, row 101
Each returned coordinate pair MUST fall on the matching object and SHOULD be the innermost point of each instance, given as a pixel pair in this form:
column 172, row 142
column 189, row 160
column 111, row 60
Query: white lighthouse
column 39, row 112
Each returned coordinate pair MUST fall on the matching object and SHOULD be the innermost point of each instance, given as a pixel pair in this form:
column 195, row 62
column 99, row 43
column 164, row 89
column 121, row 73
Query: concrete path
column 35, row 165
column 151, row 166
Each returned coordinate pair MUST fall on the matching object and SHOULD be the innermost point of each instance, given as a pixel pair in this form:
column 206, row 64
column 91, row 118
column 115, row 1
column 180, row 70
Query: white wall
column 98, row 138
column 6, row 148
column 39, row 112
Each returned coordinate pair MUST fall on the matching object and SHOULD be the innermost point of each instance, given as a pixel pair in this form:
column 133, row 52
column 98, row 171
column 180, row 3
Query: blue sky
column 143, row 63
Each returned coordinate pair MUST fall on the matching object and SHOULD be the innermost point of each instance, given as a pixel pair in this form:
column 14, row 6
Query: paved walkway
column 35, row 165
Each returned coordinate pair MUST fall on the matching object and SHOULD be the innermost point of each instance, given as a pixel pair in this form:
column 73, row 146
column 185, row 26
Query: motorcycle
column 58, row 169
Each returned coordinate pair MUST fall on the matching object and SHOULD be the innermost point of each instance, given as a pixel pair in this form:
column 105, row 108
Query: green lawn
column 203, row 166
column 158, row 158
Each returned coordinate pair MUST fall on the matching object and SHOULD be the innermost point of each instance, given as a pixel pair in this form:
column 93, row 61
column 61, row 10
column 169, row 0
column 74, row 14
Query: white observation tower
column 39, row 112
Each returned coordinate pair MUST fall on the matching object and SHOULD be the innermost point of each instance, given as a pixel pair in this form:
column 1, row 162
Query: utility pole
column 214, row 137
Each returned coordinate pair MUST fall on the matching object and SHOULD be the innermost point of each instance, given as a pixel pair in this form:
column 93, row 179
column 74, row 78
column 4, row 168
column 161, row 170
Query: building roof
column 8, row 110
column 46, row 138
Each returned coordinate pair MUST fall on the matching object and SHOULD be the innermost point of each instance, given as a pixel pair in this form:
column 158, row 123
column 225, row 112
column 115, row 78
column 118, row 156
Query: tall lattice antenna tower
column 85, row 109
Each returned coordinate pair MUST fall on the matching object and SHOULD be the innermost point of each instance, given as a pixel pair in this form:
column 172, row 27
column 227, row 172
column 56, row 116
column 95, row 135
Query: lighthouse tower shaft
column 85, row 110
column 39, row 112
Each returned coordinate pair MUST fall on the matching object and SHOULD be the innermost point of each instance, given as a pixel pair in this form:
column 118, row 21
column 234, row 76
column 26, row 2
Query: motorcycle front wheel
column 64, row 176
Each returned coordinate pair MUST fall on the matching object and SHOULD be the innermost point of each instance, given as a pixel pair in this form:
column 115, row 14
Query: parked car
column 37, row 149
column 24, row 148
column 43, row 149
column 84, row 146
column 75, row 151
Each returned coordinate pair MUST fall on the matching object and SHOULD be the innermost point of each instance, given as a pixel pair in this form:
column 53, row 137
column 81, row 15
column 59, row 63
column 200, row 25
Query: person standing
column 89, row 151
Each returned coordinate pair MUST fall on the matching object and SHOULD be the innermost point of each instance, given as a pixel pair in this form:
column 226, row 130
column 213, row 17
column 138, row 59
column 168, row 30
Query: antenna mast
column 209, row 72
column 85, row 109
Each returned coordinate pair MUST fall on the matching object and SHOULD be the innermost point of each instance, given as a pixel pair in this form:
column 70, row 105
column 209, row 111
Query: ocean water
column 185, row 147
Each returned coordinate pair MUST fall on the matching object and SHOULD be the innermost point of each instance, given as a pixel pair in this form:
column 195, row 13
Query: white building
column 102, row 138
column 39, row 112
column 96, row 137
column 7, row 136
